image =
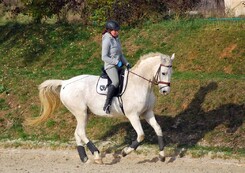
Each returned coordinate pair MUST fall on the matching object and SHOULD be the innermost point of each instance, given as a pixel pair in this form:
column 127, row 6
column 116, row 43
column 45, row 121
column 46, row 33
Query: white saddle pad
column 102, row 84
column 102, row 87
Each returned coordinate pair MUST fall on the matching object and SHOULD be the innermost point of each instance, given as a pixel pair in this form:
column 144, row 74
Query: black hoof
column 82, row 154
column 84, row 160
column 124, row 154
column 162, row 159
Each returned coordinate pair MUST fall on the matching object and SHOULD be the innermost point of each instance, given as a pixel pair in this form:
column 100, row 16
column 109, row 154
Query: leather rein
column 155, row 79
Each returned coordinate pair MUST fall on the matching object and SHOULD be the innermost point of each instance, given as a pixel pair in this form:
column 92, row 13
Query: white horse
column 78, row 94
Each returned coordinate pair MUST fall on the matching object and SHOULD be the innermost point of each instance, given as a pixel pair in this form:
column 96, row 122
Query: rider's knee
column 115, row 84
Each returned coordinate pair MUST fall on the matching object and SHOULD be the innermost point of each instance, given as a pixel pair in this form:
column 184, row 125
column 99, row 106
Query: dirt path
column 67, row 161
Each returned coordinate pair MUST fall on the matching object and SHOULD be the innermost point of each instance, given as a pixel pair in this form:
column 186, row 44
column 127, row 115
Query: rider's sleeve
column 106, row 52
column 122, row 57
column 124, row 60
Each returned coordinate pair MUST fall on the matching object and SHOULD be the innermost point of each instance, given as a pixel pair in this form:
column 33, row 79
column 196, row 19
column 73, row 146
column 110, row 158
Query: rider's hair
column 106, row 30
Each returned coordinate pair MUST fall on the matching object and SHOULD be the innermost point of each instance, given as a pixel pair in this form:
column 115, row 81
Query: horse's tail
column 49, row 95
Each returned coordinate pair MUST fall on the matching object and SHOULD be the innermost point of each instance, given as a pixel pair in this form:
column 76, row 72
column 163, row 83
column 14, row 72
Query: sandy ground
column 67, row 161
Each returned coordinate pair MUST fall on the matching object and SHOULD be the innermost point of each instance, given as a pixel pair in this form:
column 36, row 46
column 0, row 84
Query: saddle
column 104, row 81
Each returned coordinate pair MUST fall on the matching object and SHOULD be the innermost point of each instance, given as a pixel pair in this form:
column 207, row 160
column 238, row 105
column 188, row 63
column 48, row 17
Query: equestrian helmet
column 112, row 25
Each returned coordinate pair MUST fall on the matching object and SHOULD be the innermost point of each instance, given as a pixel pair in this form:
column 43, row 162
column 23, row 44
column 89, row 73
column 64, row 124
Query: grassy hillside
column 207, row 102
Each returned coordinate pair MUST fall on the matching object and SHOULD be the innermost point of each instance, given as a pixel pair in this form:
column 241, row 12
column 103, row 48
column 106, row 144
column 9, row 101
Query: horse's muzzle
column 164, row 90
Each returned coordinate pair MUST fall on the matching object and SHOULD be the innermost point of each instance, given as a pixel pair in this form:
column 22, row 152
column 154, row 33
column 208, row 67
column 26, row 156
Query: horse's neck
column 147, row 68
column 143, row 73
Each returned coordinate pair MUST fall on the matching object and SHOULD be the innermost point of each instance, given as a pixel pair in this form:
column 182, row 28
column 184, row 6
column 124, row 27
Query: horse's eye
column 163, row 74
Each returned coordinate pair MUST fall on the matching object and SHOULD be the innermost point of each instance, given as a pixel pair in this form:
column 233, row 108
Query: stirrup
column 107, row 109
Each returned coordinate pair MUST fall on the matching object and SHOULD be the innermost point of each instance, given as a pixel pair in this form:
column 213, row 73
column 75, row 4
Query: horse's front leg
column 135, row 121
column 150, row 118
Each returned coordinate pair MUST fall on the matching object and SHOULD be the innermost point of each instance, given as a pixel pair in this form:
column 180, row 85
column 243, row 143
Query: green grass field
column 207, row 100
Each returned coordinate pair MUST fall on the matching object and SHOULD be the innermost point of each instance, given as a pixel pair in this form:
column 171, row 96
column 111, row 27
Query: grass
column 216, row 152
column 208, row 88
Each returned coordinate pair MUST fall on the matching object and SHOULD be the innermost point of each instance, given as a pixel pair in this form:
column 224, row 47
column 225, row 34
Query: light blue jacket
column 112, row 51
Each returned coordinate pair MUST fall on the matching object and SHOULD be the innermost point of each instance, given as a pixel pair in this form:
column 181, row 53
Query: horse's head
column 163, row 75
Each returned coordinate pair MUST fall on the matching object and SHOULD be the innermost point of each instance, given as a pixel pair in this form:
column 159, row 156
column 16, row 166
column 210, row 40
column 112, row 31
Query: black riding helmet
column 112, row 25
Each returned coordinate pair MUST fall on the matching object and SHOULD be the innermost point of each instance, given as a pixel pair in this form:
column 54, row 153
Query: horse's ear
column 173, row 56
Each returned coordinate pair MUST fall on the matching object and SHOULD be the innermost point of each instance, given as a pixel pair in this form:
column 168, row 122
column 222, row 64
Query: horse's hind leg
column 135, row 121
column 150, row 118
column 80, row 136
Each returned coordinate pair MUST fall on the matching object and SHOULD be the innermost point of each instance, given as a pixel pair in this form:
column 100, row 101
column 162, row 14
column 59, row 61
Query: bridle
column 156, row 76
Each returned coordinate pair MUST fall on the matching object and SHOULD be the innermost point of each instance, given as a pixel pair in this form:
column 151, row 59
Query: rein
column 155, row 80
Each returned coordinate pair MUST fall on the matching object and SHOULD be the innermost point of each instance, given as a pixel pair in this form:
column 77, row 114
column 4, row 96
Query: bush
column 96, row 12
column 40, row 9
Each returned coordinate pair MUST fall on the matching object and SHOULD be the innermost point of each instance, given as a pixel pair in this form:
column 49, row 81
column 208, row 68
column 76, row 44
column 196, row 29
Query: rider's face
column 114, row 33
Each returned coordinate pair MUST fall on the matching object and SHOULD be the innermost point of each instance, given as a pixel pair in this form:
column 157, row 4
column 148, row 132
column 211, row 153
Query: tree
column 40, row 9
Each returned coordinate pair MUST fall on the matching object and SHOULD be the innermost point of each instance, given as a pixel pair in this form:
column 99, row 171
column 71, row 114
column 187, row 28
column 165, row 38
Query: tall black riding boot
column 110, row 94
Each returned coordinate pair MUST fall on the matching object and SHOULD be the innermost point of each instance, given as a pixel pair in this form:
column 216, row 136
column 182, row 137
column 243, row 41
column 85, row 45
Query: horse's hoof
column 85, row 159
column 182, row 152
column 162, row 159
column 98, row 161
column 124, row 153
column 97, row 158
column 88, row 161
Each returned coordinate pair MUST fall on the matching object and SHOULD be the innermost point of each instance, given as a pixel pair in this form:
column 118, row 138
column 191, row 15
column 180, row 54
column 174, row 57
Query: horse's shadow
column 188, row 127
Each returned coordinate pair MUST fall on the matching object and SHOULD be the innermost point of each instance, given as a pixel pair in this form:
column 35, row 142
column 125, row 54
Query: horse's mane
column 149, row 55
column 152, row 54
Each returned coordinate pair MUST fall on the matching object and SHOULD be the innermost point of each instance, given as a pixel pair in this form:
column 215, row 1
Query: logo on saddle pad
column 102, row 86
column 104, row 82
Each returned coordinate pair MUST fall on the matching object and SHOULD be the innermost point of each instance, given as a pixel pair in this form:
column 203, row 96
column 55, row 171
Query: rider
column 113, row 59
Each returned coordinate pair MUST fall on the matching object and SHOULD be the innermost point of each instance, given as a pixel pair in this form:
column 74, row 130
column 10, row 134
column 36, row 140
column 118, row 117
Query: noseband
column 156, row 82
column 156, row 76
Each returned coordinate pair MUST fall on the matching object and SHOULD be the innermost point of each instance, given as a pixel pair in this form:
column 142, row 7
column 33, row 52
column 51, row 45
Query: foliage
column 180, row 6
column 40, row 9
column 2, row 89
column 125, row 12
column 96, row 12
